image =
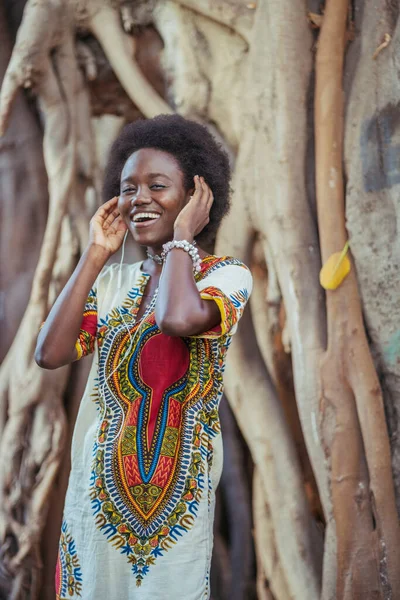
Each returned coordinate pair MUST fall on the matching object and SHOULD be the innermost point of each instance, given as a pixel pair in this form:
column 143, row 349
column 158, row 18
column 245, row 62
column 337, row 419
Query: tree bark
column 372, row 159
column 353, row 421
column 24, row 199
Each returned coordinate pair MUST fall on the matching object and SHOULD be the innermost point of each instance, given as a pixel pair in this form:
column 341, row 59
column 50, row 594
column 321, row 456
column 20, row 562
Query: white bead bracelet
column 187, row 247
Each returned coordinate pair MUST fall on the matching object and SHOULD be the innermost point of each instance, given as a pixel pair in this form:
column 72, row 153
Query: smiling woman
column 192, row 148
column 147, row 448
column 152, row 196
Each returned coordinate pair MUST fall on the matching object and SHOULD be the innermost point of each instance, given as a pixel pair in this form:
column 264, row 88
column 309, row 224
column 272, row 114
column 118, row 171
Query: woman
column 147, row 449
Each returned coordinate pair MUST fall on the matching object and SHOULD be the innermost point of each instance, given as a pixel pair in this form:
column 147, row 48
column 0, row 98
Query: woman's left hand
column 196, row 214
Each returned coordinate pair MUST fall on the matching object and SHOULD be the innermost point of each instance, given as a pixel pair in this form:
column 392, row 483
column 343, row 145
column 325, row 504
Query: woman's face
column 152, row 195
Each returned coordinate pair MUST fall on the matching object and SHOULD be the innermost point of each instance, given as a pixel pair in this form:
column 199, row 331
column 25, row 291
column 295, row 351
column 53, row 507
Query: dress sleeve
column 230, row 287
column 87, row 335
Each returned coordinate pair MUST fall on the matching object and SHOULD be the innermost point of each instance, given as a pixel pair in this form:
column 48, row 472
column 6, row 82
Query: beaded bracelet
column 187, row 247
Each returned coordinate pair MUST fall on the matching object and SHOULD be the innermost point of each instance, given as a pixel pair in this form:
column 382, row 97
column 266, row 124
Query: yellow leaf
column 336, row 268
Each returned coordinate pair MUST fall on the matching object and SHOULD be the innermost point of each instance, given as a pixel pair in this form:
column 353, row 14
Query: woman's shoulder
column 225, row 273
column 225, row 277
column 213, row 263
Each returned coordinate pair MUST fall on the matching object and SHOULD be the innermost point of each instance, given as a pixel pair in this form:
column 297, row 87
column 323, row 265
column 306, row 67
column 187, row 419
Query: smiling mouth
column 143, row 219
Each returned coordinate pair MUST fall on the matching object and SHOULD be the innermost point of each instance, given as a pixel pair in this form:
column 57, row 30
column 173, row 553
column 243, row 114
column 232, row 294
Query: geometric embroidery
column 128, row 442
column 68, row 572
column 170, row 441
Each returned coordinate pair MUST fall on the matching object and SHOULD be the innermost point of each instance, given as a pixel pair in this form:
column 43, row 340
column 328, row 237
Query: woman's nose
column 142, row 196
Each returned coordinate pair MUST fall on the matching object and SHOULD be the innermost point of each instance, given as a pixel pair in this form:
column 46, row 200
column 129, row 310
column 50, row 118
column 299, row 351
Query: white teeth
column 144, row 215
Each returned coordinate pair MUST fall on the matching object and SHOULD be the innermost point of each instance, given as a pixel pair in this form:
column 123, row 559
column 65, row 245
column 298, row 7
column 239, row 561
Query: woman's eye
column 128, row 189
column 157, row 186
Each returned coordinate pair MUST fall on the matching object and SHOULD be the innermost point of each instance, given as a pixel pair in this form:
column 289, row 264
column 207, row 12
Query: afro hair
column 195, row 150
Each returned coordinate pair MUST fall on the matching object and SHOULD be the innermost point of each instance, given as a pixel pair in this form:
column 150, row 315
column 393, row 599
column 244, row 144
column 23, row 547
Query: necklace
column 155, row 257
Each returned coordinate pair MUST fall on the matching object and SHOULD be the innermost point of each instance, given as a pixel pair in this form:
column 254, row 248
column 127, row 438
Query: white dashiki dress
column 147, row 448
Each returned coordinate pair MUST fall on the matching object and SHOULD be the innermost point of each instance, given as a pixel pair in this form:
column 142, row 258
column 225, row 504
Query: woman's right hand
column 107, row 229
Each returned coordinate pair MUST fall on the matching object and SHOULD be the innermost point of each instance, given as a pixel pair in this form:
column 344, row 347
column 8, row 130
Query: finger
column 210, row 200
column 111, row 202
column 117, row 225
column 210, row 192
column 109, row 205
column 105, row 209
column 206, row 190
column 111, row 218
column 197, row 188
column 199, row 192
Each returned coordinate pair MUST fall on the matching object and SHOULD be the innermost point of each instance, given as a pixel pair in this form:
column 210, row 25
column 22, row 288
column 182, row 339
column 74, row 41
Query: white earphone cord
column 119, row 285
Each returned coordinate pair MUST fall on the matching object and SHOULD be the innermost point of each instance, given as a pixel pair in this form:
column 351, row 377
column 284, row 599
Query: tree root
column 353, row 422
column 238, row 16
column 265, row 543
column 34, row 434
column 254, row 402
column 42, row 27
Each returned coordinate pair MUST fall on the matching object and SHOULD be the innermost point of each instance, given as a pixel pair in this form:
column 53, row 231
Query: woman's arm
column 180, row 310
column 56, row 341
